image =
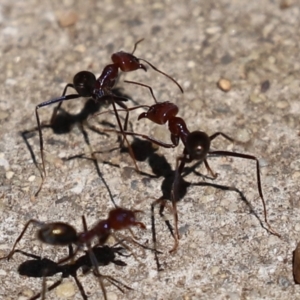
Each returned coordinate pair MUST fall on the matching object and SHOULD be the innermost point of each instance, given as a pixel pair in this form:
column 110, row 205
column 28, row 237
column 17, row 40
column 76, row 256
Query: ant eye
column 198, row 144
column 84, row 83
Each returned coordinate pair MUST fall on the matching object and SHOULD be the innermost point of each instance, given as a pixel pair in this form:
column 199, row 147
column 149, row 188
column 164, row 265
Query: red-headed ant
column 196, row 148
column 63, row 234
column 86, row 84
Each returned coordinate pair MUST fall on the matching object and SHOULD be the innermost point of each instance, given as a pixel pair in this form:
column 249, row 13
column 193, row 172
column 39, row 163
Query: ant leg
column 212, row 173
column 144, row 85
column 133, row 235
column 141, row 245
column 146, row 137
column 94, row 261
column 213, row 136
column 176, row 236
column 28, row 254
column 175, row 196
column 11, row 253
column 95, row 161
column 250, row 157
column 125, row 138
column 121, row 104
column 125, row 238
column 153, row 204
column 70, row 256
column 127, row 109
column 45, row 289
column 80, row 287
column 56, row 109
column 234, row 189
column 46, row 103
column 115, row 282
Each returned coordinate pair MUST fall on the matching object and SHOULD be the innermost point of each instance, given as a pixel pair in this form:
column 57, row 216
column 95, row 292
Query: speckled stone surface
column 224, row 253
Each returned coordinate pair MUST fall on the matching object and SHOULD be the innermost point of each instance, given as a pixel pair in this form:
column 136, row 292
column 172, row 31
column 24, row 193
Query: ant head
column 122, row 218
column 197, row 145
column 127, row 62
column 59, row 234
column 84, row 83
column 160, row 113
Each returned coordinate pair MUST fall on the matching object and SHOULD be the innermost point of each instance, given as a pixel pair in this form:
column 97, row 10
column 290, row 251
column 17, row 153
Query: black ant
column 196, row 148
column 43, row 267
column 100, row 89
column 63, row 234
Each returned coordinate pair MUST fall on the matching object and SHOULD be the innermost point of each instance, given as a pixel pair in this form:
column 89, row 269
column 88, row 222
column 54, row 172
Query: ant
column 43, row 267
column 196, row 148
column 100, row 89
column 63, row 234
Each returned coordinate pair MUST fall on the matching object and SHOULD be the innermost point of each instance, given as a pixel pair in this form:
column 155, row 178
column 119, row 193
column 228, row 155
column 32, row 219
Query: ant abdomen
column 160, row 113
column 84, row 83
column 197, row 144
column 57, row 234
column 127, row 62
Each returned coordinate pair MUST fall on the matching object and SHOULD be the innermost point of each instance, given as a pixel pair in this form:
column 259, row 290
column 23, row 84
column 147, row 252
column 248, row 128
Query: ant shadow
column 64, row 122
column 144, row 151
column 39, row 267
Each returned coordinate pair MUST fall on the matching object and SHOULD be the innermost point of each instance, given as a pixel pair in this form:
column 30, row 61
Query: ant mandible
column 100, row 89
column 196, row 148
column 63, row 234
column 43, row 267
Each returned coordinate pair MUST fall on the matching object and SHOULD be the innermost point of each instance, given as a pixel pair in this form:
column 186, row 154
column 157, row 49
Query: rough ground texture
column 224, row 252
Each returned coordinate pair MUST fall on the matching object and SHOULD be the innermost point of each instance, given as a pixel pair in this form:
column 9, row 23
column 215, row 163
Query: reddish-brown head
column 122, row 218
column 127, row 62
column 160, row 113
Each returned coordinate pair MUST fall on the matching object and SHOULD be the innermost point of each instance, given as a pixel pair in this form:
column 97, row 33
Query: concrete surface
column 224, row 252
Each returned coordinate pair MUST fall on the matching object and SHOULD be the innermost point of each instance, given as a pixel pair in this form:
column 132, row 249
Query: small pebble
column 297, row 227
column 65, row 290
column 22, row 298
column 257, row 98
column 191, row 64
column 284, row 4
column 80, row 48
column 282, row 104
column 214, row 270
column 243, row 135
column 112, row 296
column 31, row 178
column 27, row 293
column 213, row 29
column 3, row 273
column 9, row 174
column 67, row 18
column 296, row 175
column 224, row 85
